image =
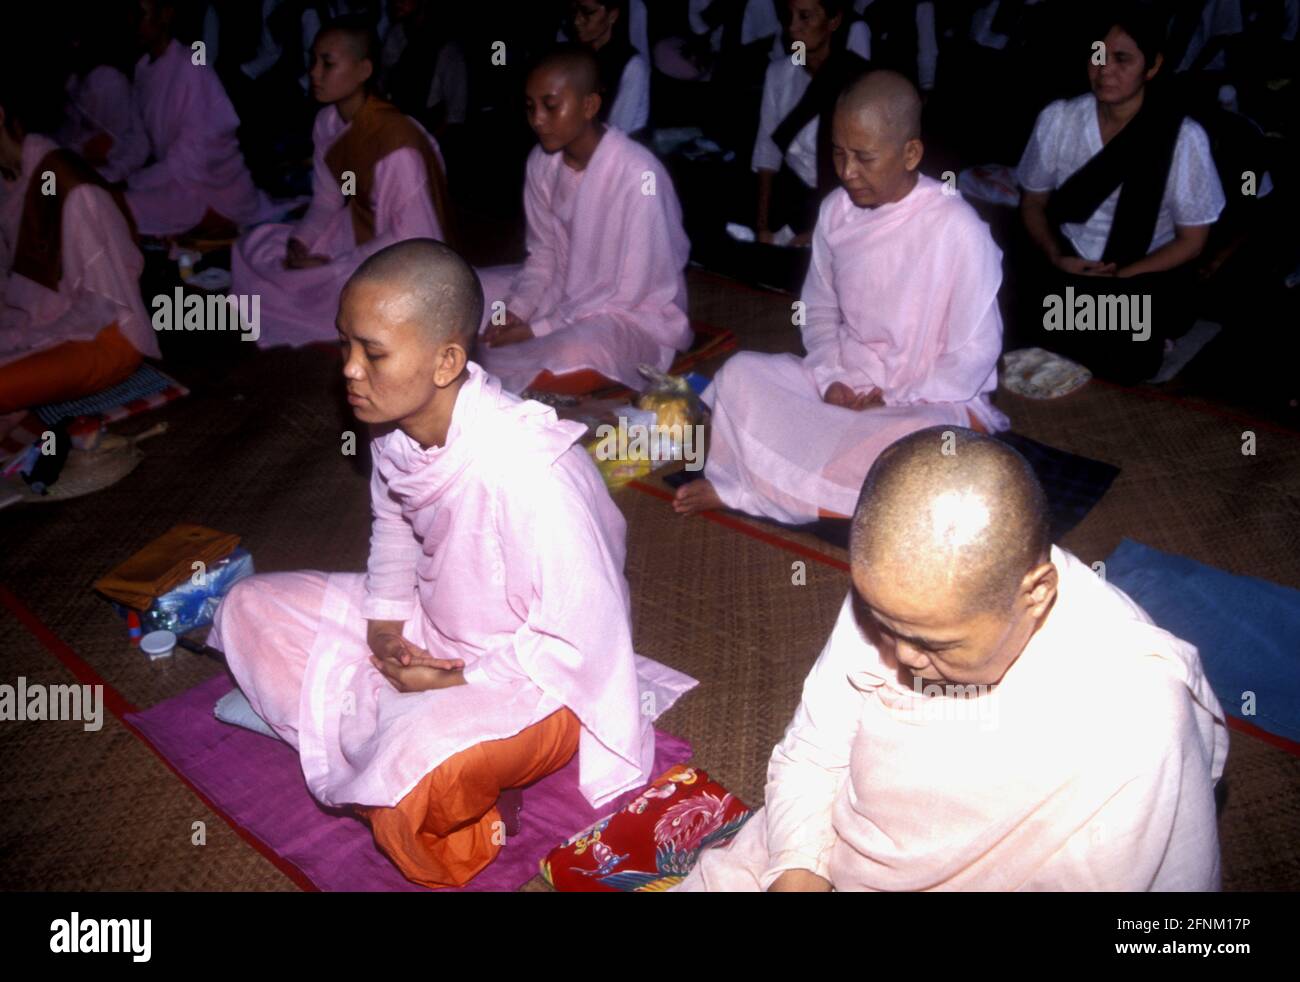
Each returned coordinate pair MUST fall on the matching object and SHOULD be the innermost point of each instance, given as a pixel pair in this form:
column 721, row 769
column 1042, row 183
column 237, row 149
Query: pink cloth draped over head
column 900, row 298
column 603, row 286
column 197, row 162
column 299, row 306
column 501, row 548
column 101, row 269
column 1090, row 766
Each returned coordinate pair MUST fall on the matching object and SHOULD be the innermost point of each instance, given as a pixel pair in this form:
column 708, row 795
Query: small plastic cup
column 158, row 644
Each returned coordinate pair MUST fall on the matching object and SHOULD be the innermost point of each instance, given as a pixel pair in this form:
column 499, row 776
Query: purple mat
column 258, row 783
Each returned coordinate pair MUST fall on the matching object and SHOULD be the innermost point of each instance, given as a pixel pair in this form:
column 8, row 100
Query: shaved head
column 360, row 35
column 441, row 289
column 577, row 64
column 953, row 517
column 889, row 100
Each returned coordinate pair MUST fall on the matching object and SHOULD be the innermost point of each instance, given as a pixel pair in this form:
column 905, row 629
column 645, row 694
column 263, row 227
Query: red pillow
column 652, row 843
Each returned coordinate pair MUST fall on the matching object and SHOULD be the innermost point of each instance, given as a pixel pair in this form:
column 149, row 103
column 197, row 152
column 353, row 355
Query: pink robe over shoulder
column 502, row 548
column 101, row 266
column 197, row 164
column 101, row 104
column 300, row 306
column 902, row 298
column 1091, row 766
column 603, row 286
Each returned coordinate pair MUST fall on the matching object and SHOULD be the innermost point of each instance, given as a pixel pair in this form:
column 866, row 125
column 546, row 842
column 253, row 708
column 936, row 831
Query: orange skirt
column 68, row 371
column 448, row 828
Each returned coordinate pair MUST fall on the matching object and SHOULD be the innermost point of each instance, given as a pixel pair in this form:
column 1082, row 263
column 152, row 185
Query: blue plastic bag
column 191, row 605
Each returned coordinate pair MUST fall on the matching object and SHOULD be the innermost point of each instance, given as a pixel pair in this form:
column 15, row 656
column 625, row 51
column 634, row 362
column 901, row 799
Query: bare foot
column 696, row 496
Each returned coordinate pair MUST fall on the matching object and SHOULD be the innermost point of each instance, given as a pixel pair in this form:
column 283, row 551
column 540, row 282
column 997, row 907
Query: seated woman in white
column 1118, row 185
column 792, row 154
column 603, row 26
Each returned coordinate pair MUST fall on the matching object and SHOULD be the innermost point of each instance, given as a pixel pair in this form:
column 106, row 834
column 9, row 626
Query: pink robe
column 501, row 548
column 100, row 104
column 299, row 306
column 902, row 298
column 1090, row 766
column 197, row 163
column 101, row 271
column 603, row 286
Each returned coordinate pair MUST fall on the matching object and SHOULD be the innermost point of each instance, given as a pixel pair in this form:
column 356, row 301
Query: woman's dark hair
column 844, row 11
column 622, row 33
column 1138, row 21
column 612, row 59
column 832, row 9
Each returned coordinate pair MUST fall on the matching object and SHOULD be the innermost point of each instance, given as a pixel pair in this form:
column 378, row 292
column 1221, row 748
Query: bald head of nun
column 563, row 96
column 407, row 321
column 575, row 64
column 344, row 56
column 357, row 32
column 950, row 552
column 876, row 138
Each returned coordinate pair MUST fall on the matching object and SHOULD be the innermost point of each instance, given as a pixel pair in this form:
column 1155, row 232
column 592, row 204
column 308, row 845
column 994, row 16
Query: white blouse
column 1068, row 135
column 783, row 87
column 631, row 109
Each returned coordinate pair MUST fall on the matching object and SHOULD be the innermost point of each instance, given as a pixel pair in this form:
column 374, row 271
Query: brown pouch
column 163, row 563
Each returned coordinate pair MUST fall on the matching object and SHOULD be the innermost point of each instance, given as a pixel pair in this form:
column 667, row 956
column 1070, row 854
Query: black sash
column 818, row 102
column 1138, row 157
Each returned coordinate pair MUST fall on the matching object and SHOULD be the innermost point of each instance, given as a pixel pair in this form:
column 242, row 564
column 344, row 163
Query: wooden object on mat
column 165, row 562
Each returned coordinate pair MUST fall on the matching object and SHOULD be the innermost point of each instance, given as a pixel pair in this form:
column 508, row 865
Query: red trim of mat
column 1282, row 743
column 119, row 707
column 745, row 528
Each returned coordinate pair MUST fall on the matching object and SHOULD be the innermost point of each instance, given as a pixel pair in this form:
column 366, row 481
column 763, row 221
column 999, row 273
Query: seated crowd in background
column 1146, row 167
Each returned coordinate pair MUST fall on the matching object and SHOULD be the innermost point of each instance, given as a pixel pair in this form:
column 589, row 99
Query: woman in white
column 792, row 151
column 1118, row 185
column 603, row 26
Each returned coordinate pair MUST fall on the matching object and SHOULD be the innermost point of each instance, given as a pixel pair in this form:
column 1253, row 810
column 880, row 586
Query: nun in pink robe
column 501, row 548
column 900, row 298
column 197, row 165
column 1090, row 766
column 299, row 305
column 100, row 265
column 102, row 124
column 603, row 287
